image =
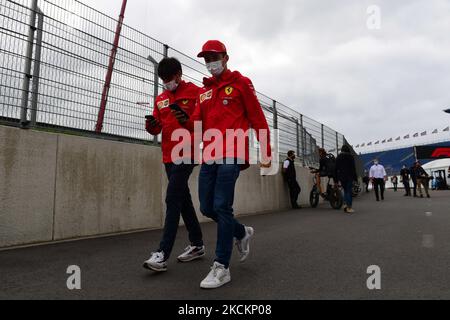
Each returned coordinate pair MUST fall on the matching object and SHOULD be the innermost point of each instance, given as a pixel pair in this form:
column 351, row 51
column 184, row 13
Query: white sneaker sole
column 182, row 260
column 152, row 268
column 215, row 286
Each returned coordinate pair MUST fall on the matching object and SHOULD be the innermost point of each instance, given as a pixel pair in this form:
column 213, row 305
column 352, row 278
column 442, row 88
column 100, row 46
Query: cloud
column 319, row 56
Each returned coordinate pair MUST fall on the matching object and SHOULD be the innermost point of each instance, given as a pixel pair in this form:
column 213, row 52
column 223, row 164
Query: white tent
column 441, row 164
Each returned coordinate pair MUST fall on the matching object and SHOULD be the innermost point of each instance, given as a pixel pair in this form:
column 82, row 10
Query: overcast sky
column 320, row 57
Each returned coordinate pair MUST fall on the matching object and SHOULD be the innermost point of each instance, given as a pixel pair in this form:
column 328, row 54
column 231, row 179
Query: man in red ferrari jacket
column 178, row 166
column 227, row 107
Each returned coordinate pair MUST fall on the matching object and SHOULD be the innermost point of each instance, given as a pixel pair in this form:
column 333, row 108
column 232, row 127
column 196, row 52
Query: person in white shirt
column 378, row 176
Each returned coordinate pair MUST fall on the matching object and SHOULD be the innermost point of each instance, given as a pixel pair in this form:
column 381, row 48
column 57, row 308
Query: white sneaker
column 156, row 262
column 192, row 253
column 217, row 277
column 243, row 245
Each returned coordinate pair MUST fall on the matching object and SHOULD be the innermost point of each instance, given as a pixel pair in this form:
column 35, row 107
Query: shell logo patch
column 206, row 96
column 185, row 102
column 229, row 90
column 163, row 104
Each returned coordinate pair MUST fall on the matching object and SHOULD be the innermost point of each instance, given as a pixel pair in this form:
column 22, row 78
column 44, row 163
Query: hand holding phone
column 179, row 113
column 151, row 121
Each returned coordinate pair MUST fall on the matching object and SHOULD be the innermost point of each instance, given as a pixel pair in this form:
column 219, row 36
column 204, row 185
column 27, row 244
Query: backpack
column 330, row 161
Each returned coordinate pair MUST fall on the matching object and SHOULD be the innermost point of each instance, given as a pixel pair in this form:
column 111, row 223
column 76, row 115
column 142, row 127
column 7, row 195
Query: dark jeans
column 348, row 192
column 294, row 191
column 179, row 201
column 378, row 185
column 395, row 187
column 216, row 192
column 414, row 187
column 407, row 187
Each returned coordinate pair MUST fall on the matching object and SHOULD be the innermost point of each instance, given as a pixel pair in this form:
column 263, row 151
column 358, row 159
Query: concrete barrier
column 57, row 187
column 106, row 187
column 27, row 180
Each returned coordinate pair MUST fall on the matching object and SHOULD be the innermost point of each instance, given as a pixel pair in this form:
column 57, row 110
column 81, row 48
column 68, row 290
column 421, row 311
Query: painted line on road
column 429, row 214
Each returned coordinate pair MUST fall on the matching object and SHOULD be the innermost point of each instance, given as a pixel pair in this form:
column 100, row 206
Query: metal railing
column 54, row 56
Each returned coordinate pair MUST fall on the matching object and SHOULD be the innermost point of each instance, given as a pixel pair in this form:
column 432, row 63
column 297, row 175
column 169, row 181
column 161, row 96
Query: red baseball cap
column 212, row 46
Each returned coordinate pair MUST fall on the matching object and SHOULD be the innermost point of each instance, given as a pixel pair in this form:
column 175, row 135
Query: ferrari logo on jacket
column 229, row 90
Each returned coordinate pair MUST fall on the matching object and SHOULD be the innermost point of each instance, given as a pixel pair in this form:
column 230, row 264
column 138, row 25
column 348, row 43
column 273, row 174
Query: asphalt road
column 307, row 254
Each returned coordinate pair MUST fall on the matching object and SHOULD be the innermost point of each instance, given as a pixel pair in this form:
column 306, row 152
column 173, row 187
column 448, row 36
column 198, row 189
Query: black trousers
column 378, row 185
column 294, row 191
column 395, row 187
column 407, row 187
column 415, row 187
column 179, row 203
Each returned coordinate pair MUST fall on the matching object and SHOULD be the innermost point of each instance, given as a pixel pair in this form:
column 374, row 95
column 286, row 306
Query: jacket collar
column 226, row 78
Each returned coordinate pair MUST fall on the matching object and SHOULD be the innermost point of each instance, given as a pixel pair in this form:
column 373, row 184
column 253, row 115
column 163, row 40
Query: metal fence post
column 275, row 119
column 155, row 87
column 303, row 149
column 37, row 68
column 166, row 55
column 110, row 71
column 27, row 70
column 166, row 50
column 297, row 135
column 323, row 136
column 337, row 143
column 275, row 115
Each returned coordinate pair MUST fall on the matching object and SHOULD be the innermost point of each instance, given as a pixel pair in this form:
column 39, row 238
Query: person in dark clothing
column 366, row 180
column 413, row 174
column 178, row 168
column 291, row 178
column 346, row 175
column 394, row 181
column 326, row 169
column 404, row 173
column 423, row 179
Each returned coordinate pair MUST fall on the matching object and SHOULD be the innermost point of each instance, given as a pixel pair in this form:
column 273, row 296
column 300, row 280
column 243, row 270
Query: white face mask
column 215, row 68
column 376, row 163
column 171, row 86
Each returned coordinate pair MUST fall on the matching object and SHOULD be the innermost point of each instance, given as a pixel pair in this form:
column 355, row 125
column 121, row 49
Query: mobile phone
column 176, row 107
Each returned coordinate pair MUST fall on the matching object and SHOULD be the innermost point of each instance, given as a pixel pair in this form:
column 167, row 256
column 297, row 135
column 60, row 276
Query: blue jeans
column 216, row 192
column 179, row 201
column 348, row 192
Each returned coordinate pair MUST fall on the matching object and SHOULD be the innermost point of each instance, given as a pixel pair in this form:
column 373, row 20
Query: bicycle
column 356, row 189
column 332, row 195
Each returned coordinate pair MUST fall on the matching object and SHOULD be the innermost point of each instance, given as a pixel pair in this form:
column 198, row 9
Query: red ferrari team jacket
column 185, row 96
column 229, row 103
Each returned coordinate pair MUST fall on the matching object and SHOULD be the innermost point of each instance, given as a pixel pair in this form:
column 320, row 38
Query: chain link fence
column 54, row 56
